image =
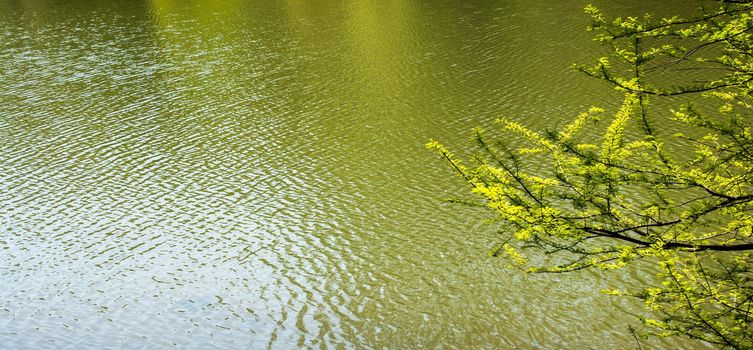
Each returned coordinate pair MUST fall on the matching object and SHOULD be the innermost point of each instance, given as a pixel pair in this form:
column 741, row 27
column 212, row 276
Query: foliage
column 636, row 193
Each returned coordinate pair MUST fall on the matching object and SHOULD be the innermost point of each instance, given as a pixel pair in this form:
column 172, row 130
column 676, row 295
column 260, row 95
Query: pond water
column 251, row 174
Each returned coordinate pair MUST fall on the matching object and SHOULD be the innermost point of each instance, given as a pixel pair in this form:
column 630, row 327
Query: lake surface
column 251, row 174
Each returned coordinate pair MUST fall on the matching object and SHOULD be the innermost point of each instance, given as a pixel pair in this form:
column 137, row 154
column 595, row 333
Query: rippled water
column 250, row 174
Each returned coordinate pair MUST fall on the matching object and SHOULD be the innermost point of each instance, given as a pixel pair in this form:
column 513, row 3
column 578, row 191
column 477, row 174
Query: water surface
column 251, row 174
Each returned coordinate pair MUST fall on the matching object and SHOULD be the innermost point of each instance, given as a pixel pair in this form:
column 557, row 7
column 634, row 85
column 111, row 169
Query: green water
column 251, row 174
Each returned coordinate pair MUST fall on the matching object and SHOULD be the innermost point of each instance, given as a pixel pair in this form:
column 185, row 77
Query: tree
column 637, row 193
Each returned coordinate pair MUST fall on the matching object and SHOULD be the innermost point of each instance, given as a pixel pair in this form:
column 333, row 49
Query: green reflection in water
column 251, row 173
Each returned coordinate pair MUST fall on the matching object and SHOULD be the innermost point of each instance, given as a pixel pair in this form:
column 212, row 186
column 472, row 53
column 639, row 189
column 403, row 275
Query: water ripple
column 252, row 175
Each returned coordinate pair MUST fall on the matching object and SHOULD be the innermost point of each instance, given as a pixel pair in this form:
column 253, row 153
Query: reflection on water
column 250, row 174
